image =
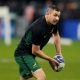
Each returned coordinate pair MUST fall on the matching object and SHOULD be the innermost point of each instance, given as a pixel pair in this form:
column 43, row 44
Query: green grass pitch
column 9, row 69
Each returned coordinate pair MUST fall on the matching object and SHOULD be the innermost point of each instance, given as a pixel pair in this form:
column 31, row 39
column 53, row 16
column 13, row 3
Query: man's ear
column 48, row 11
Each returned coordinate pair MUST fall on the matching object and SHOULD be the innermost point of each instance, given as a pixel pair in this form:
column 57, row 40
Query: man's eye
column 55, row 15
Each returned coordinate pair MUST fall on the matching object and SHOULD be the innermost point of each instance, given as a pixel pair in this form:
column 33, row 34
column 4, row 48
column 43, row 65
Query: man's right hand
column 53, row 61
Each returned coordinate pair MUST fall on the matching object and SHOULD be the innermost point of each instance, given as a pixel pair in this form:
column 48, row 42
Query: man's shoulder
column 37, row 24
column 37, row 21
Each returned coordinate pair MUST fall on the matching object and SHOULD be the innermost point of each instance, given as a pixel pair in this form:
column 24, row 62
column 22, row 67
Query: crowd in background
column 69, row 6
column 24, row 12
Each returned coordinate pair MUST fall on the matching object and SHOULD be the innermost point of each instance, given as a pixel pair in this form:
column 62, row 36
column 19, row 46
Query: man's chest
column 47, row 33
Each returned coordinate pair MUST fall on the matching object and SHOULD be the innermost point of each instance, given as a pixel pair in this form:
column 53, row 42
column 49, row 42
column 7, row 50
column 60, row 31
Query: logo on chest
column 45, row 36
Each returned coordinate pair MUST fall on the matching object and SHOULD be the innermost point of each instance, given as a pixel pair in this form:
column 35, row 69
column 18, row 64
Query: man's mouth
column 55, row 22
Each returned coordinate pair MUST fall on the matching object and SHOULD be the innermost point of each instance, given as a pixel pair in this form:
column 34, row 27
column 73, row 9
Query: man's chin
column 54, row 23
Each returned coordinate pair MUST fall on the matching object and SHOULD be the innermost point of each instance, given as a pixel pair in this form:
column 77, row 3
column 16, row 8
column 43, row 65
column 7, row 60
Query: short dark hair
column 54, row 7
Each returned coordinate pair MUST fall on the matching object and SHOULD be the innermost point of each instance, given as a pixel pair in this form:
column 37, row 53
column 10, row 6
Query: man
column 35, row 38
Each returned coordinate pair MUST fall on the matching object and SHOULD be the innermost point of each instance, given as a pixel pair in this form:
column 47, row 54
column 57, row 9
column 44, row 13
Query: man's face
column 54, row 17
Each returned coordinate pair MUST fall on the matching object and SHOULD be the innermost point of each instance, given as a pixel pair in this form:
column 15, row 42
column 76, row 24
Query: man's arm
column 36, row 51
column 57, row 42
column 58, row 57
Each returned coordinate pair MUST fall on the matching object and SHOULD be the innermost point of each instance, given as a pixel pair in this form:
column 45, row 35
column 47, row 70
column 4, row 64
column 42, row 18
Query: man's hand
column 53, row 61
column 57, row 63
column 60, row 59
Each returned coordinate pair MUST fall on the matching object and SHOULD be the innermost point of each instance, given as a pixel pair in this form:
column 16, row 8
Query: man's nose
column 57, row 18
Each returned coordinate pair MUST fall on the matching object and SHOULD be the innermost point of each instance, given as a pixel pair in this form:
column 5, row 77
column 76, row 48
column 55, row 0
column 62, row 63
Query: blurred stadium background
column 16, row 16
